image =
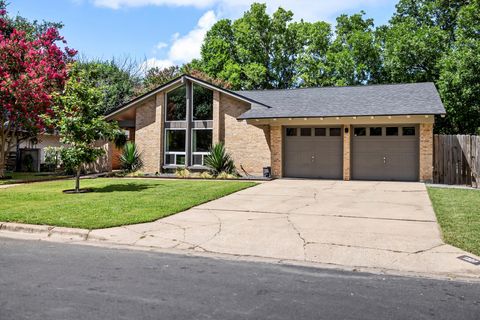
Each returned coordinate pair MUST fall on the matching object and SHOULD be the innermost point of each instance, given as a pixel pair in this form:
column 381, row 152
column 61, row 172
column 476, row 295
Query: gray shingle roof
column 372, row 100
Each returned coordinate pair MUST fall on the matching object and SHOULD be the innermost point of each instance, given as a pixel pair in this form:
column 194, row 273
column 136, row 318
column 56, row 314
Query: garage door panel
column 385, row 157
column 313, row 156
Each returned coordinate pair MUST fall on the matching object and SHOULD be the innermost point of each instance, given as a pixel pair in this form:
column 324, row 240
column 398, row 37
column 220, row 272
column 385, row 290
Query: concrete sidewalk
column 373, row 226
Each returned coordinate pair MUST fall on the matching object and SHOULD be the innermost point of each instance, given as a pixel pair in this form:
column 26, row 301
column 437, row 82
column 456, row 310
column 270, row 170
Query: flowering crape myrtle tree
column 80, row 121
column 33, row 69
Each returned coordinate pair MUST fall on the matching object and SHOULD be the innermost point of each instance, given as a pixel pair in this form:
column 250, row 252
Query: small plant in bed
column 131, row 158
column 220, row 162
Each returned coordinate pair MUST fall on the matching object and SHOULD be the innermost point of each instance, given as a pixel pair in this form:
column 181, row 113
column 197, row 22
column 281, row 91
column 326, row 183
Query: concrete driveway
column 382, row 225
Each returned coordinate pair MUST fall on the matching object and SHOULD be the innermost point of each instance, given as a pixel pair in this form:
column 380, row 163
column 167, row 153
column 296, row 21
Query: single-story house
column 372, row 132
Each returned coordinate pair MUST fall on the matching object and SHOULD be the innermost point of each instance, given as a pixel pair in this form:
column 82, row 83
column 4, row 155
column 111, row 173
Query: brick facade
column 259, row 143
column 346, row 152
column 248, row 144
column 276, row 146
column 426, row 152
column 148, row 134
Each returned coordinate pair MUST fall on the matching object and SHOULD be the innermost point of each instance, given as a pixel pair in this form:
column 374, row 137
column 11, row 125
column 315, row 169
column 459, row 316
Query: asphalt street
column 43, row 280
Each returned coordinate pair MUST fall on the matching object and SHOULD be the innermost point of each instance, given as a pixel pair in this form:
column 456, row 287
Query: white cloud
column 161, row 45
column 306, row 9
column 187, row 47
column 183, row 48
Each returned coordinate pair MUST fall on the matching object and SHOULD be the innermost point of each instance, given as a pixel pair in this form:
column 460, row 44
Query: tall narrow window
column 175, row 147
column 177, row 104
column 202, row 103
column 201, row 143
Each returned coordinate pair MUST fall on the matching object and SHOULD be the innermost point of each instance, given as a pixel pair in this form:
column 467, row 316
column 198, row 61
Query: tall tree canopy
column 118, row 80
column 426, row 40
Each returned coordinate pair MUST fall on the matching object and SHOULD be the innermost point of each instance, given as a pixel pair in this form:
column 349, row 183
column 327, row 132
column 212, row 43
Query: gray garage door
column 313, row 152
column 385, row 153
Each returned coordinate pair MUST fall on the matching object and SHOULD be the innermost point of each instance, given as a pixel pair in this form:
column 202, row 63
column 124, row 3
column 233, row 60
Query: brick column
column 426, row 152
column 346, row 152
column 147, row 134
column 217, row 124
column 159, row 115
column 276, row 148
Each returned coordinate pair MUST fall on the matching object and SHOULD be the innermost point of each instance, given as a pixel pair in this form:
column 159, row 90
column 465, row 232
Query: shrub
column 226, row 175
column 206, row 175
column 131, row 159
column 182, row 173
column 219, row 160
column 52, row 158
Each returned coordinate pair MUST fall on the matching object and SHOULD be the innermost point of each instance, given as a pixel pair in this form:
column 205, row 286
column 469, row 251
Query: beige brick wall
column 147, row 134
column 346, row 152
column 248, row 144
column 426, row 152
column 276, row 145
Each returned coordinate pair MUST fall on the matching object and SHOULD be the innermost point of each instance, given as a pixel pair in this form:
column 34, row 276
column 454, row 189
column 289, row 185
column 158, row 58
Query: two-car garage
column 376, row 152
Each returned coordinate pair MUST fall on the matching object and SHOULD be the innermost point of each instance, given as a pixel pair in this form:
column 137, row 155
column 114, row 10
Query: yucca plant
column 131, row 159
column 219, row 160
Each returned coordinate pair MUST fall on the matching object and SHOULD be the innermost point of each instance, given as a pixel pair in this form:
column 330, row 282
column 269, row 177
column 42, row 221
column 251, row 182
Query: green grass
column 458, row 212
column 113, row 202
column 19, row 177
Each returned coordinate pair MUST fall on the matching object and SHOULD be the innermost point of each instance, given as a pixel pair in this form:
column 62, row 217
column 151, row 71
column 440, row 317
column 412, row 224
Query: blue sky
column 166, row 32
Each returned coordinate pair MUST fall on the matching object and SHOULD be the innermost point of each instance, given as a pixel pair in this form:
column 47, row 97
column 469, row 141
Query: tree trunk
column 77, row 180
column 2, row 168
column 3, row 160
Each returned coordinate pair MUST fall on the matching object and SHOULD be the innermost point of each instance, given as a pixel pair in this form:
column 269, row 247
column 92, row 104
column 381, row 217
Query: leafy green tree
column 80, row 122
column 412, row 52
column 117, row 80
column 354, row 56
column 459, row 81
column 311, row 63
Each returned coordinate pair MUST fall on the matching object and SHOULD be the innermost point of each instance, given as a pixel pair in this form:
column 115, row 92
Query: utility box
column 267, row 172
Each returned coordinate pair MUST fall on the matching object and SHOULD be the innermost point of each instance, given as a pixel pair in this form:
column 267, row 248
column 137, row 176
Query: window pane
column 291, row 132
column 392, row 131
column 335, row 132
column 376, row 131
column 170, row 159
column 176, row 140
column 408, row 131
column 202, row 140
column 305, row 132
column 358, row 132
column 176, row 104
column 320, row 132
column 180, row 159
column 202, row 103
column 197, row 159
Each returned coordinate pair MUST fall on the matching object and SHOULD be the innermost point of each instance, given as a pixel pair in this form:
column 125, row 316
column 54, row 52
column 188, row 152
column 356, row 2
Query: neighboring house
column 33, row 148
column 379, row 132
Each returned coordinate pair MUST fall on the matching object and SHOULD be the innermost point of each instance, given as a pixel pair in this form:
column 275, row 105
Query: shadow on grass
column 123, row 187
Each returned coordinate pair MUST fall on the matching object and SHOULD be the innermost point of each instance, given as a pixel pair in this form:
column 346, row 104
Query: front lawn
column 20, row 177
column 113, row 202
column 458, row 212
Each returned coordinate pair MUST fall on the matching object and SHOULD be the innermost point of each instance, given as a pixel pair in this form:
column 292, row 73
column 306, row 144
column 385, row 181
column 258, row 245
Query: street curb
column 49, row 231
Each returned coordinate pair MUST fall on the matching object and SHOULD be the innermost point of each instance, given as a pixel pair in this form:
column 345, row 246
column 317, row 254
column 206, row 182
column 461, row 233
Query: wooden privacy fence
column 456, row 159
